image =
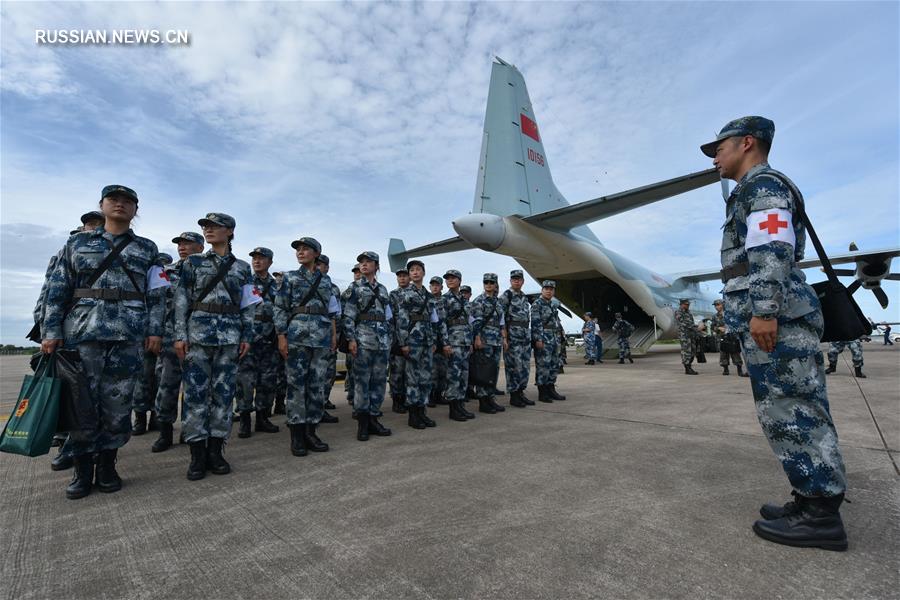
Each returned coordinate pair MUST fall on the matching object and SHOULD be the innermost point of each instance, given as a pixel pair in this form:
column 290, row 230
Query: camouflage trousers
column 257, row 371
column 855, row 352
column 210, row 379
column 546, row 363
column 439, row 372
column 517, row 365
column 168, row 374
column 146, row 387
column 792, row 408
column 306, row 371
column 397, row 376
column 729, row 351
column 687, row 350
column 590, row 346
column 492, row 352
column 369, row 380
column 418, row 378
column 112, row 370
column 280, row 377
column 349, row 385
column 457, row 373
column 330, row 373
column 624, row 347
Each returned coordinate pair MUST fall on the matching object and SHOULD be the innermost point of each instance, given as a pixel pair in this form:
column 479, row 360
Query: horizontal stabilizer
column 398, row 254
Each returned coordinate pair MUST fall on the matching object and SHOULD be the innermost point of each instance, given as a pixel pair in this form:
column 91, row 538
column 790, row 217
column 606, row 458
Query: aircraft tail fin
column 513, row 171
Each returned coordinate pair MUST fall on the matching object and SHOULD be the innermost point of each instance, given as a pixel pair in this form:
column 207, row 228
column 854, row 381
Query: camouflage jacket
column 418, row 322
column 459, row 320
column 96, row 319
column 718, row 321
column 687, row 329
column 367, row 315
column 395, row 307
column 589, row 328
column 517, row 316
column 489, row 320
column 38, row 312
column 443, row 336
column 623, row 328
column 173, row 272
column 197, row 326
column 264, row 318
column 774, row 286
column 311, row 329
column 543, row 322
column 336, row 292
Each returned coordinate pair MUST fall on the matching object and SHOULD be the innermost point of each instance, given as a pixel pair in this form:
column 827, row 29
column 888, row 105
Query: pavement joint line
column 874, row 420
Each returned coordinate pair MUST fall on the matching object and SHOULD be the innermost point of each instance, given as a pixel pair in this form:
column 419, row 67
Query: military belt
column 213, row 307
column 107, row 294
column 309, row 310
column 735, row 271
column 417, row 318
column 371, row 317
column 454, row 322
column 263, row 318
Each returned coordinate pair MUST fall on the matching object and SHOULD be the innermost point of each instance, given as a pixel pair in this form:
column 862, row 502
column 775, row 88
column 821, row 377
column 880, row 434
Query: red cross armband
column 770, row 225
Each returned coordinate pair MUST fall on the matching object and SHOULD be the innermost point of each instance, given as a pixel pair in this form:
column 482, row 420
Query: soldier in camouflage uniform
column 280, row 378
column 517, row 357
column 439, row 364
column 257, row 370
column 397, row 366
column 779, row 320
column 212, row 332
column 561, row 345
column 459, row 337
column 729, row 344
column 856, row 354
column 168, row 366
column 489, row 330
column 323, row 263
column 623, row 330
column 367, row 324
column 687, row 334
column 418, row 331
column 589, row 334
column 305, row 313
column 111, row 322
column 545, row 338
column 349, row 386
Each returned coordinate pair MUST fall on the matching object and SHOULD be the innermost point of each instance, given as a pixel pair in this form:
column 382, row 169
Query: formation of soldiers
column 236, row 342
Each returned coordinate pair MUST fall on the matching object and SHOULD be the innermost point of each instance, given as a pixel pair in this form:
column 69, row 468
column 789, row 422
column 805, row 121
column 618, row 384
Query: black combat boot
column 832, row 367
column 397, row 405
column 741, row 372
column 431, row 402
column 621, row 361
column 561, row 371
column 245, row 430
column 772, row 511
column 429, row 422
column 497, row 392
column 215, row 461
column 413, row 419
column 543, row 396
column 61, row 462
column 551, row 390
column 858, row 372
column 279, row 407
column 815, row 524
column 485, row 406
column 439, row 398
column 329, row 405
column 197, row 468
column 83, row 477
column 328, row 417
column 362, row 426
column 515, row 399
column 495, row 406
column 313, row 443
column 589, row 361
column 689, row 371
column 376, row 428
column 455, row 415
column 725, row 370
column 525, row 398
column 298, row 440
column 263, row 423
column 630, row 360
column 140, row 423
column 164, row 441
column 153, row 422
column 107, row 479
column 462, row 409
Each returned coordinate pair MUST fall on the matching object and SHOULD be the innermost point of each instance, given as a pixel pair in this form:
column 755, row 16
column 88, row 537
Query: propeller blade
column 853, row 247
column 844, row 272
column 854, row 286
column 881, row 295
column 893, row 277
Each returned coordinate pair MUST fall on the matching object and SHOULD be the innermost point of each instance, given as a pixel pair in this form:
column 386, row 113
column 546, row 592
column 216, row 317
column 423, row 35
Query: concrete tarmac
column 643, row 484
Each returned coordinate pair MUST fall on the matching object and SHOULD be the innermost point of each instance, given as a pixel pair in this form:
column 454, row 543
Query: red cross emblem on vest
column 773, row 224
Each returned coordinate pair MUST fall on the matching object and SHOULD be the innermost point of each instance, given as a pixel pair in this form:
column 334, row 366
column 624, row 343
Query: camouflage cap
column 190, row 237
column 588, row 314
column 684, row 301
column 94, row 215
column 436, row 280
column 355, row 268
column 308, row 242
column 413, row 262
column 549, row 283
column 402, row 271
column 464, row 289
column 213, row 218
column 759, row 127
column 516, row 273
column 453, row 273
column 717, row 302
column 489, row 278
column 262, row 252
column 323, row 259
column 277, row 274
column 164, row 258
column 368, row 255
column 118, row 190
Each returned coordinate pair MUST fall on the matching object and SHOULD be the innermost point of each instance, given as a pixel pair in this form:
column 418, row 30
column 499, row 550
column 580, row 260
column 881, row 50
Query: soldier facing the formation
column 687, row 334
column 623, row 330
column 517, row 357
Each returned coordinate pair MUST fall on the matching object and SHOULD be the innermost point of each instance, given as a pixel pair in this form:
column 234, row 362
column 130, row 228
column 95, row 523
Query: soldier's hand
column 181, row 350
column 243, row 349
column 334, row 343
column 50, row 346
column 283, row 346
column 404, row 350
column 478, row 343
column 353, row 347
column 448, row 351
column 539, row 345
column 764, row 332
column 505, row 344
column 153, row 344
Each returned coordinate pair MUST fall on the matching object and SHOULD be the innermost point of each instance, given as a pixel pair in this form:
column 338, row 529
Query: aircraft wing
column 593, row 210
column 398, row 254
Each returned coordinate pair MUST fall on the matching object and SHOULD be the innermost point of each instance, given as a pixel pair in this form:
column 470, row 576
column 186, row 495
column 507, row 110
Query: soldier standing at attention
column 280, row 378
column 856, row 354
column 397, row 370
column 214, row 316
column 323, row 263
column 687, row 334
column 466, row 292
column 729, row 344
column 257, row 371
column 459, row 337
column 561, row 352
column 439, row 366
column 168, row 367
column 349, row 386
column 589, row 333
column 305, row 313
column 623, row 330
column 111, row 312
column 517, row 356
column 779, row 320
column 367, row 325
column 489, row 329
column 545, row 337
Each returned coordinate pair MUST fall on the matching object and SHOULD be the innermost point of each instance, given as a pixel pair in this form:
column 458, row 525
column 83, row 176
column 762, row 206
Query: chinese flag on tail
column 529, row 128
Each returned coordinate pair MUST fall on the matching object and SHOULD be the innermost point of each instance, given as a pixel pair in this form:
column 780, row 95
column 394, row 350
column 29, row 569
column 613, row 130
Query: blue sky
column 357, row 122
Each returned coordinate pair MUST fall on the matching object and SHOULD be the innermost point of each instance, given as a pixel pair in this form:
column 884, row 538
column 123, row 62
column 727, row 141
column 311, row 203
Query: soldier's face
column 323, row 268
column 490, row 288
column 215, row 234
column 356, row 275
column 452, row 283
column 306, row 255
column 403, row 279
column 368, row 267
column 185, row 249
column 516, row 283
column 437, row 288
column 118, row 208
column 547, row 293
column 260, row 263
column 416, row 273
column 92, row 224
column 729, row 155
column 720, row 308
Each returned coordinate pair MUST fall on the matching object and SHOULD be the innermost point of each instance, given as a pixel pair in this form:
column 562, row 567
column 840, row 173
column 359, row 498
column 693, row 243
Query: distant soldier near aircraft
column 687, row 334
column 856, row 354
column 623, row 330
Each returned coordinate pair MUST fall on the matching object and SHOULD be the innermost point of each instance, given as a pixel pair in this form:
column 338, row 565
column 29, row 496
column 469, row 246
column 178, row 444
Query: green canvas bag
column 30, row 428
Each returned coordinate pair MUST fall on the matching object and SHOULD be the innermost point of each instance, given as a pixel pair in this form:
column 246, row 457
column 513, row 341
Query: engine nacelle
column 870, row 271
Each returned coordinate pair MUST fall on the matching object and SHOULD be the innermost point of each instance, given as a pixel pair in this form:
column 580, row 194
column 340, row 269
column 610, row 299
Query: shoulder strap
column 266, row 287
column 220, row 274
column 371, row 303
column 107, row 263
column 312, row 290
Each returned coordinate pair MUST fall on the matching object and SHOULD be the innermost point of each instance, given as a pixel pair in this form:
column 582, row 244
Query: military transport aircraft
column 519, row 212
